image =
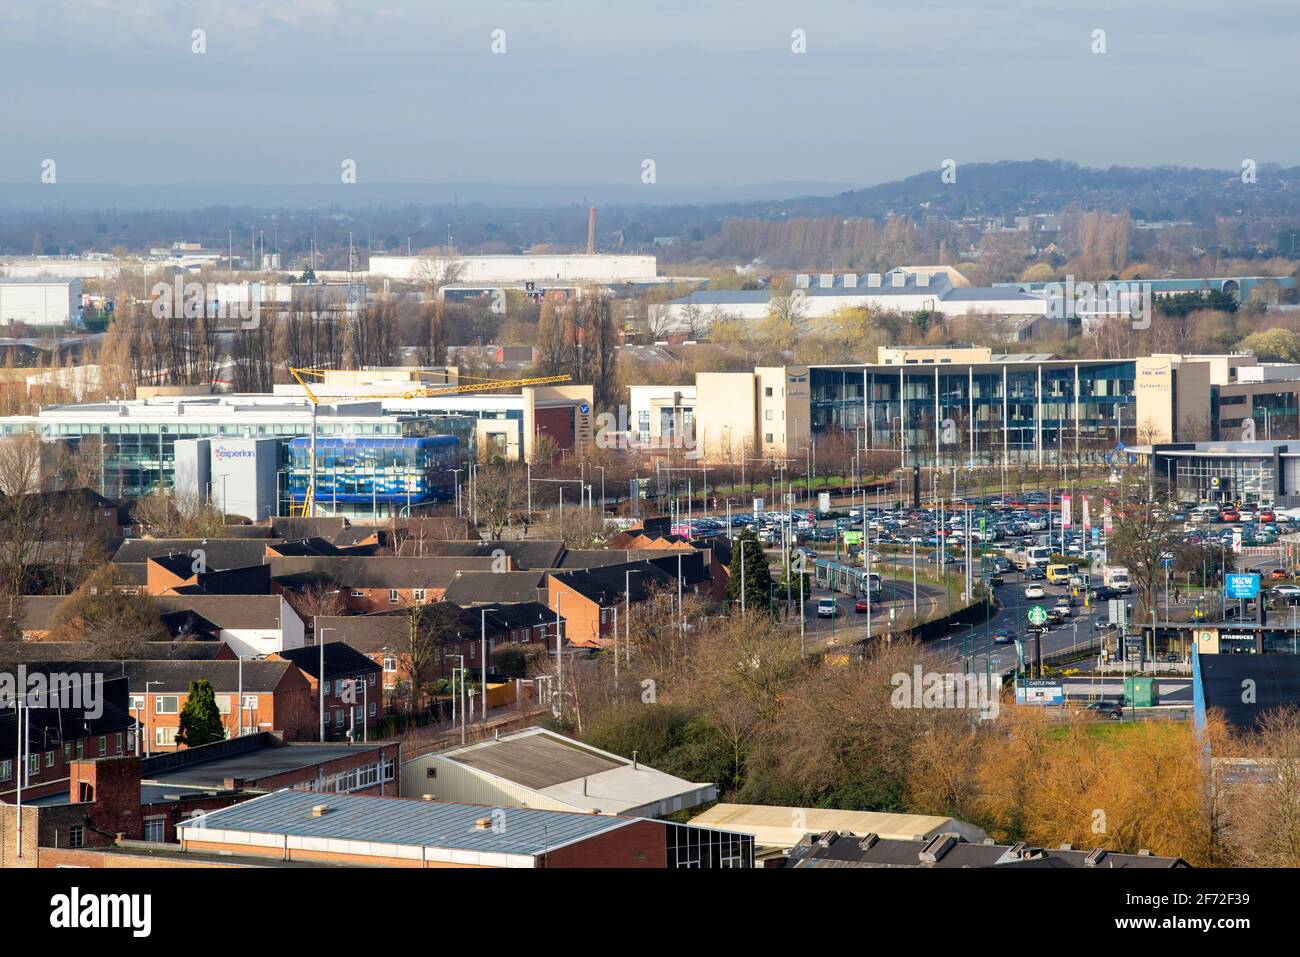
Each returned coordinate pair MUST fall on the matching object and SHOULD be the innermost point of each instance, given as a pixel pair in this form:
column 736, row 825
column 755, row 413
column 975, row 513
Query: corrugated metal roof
column 405, row 822
column 536, row 761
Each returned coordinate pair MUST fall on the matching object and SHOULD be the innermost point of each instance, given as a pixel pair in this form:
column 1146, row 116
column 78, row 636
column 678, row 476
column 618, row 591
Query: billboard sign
column 1241, row 586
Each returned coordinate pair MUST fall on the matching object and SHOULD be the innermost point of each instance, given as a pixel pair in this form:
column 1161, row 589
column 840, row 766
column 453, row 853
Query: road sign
column 1241, row 586
column 1038, row 615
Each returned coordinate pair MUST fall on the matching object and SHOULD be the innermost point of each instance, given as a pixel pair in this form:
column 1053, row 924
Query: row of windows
column 37, row 759
column 363, row 777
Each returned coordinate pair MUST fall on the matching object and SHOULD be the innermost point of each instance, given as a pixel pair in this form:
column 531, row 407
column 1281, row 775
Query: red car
column 1266, row 515
column 861, row 605
column 1229, row 515
column 1279, row 575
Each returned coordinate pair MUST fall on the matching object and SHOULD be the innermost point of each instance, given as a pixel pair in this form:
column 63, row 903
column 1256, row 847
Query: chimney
column 591, row 231
column 1094, row 857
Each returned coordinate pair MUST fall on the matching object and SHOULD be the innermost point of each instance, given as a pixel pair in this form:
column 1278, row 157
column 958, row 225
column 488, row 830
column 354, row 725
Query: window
column 33, row 764
column 137, row 702
column 768, row 415
column 155, row 829
column 117, row 742
column 103, row 745
column 372, row 679
column 392, row 596
column 76, row 836
column 81, row 750
column 373, row 712
column 67, row 752
column 768, row 438
column 6, row 770
column 49, row 759
column 338, row 717
column 164, row 737
column 419, row 594
column 223, row 703
column 166, row 704
column 390, row 663
column 358, row 594
column 767, row 392
column 250, row 702
column 339, row 685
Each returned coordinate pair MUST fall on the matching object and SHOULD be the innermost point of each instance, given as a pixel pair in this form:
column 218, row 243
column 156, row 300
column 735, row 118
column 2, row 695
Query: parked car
column 1108, row 709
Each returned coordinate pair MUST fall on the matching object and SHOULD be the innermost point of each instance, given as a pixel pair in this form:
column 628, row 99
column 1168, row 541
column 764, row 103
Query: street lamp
column 456, row 691
column 320, row 682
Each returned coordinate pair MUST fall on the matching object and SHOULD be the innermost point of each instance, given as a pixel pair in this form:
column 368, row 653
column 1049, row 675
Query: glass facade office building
column 380, row 473
column 135, row 442
column 1028, row 412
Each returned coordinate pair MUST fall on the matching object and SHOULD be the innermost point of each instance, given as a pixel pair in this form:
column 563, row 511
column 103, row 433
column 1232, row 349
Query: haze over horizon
column 414, row 95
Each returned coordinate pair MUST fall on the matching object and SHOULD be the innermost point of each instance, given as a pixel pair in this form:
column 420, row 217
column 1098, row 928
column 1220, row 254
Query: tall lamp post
column 320, row 682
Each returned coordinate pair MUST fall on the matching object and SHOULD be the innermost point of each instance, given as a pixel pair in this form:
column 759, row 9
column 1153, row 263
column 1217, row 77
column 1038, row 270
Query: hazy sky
column 588, row 89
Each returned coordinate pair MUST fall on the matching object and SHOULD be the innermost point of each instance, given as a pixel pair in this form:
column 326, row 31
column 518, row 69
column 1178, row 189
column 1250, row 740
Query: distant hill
column 1016, row 187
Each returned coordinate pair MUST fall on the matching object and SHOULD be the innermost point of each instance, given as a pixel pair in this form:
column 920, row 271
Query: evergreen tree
column 756, row 576
column 200, row 718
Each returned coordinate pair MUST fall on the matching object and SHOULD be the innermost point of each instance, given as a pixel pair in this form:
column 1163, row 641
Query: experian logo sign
column 222, row 453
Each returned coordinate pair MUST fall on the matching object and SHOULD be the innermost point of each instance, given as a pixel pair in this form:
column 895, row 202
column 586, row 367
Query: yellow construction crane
column 308, row 506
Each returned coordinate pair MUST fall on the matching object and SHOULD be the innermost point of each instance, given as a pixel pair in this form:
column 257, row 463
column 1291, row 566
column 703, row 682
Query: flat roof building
column 393, row 832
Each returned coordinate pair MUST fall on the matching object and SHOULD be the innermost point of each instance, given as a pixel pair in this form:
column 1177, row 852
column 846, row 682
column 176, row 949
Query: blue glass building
column 362, row 472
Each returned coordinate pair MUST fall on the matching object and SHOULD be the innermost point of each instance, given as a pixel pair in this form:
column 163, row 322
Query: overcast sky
column 588, row 89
